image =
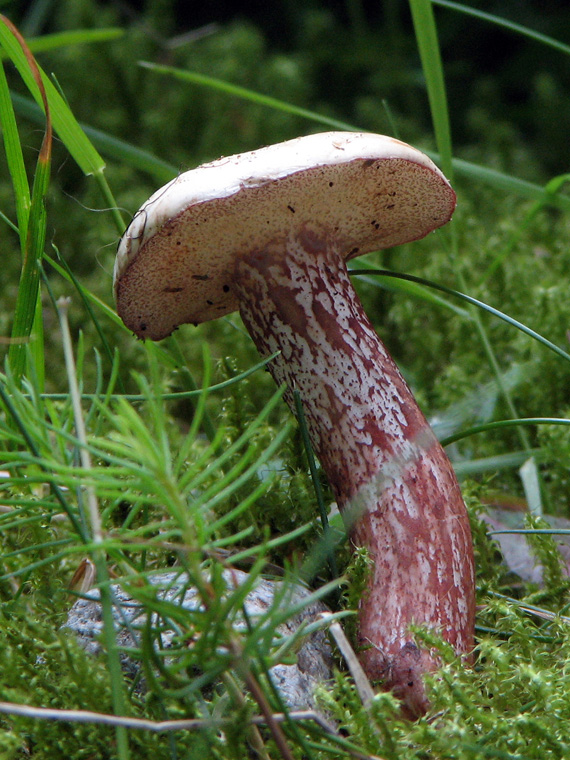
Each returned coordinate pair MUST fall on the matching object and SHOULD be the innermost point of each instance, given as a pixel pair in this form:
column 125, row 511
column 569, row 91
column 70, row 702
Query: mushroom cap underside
column 176, row 261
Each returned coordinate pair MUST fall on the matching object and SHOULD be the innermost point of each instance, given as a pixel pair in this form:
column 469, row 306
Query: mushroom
column 269, row 233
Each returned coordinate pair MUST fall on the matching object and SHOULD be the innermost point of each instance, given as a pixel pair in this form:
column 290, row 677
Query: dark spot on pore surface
column 226, row 288
column 201, row 277
column 291, row 209
column 172, row 290
column 210, row 303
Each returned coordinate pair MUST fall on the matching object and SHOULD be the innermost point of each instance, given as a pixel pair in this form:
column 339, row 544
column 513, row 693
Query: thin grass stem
column 331, row 559
column 99, row 558
column 470, row 300
column 506, row 24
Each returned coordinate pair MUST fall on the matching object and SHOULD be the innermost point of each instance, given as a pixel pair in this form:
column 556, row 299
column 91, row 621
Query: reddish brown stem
column 390, row 475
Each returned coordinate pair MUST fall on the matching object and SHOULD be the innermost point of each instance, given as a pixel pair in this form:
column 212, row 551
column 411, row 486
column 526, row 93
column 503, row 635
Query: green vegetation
column 144, row 457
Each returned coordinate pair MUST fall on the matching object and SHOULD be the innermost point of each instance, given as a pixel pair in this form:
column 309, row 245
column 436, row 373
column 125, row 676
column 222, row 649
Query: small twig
column 189, row 724
column 165, row 726
column 542, row 613
column 329, row 543
column 363, row 687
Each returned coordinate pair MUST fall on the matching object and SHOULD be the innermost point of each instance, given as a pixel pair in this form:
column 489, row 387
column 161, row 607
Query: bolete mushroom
column 269, row 233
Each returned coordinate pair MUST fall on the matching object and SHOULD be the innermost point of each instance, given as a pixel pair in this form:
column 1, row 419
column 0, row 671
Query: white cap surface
column 175, row 263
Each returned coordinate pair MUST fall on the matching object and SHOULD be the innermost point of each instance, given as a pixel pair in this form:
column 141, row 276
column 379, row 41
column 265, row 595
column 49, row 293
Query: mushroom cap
column 175, row 262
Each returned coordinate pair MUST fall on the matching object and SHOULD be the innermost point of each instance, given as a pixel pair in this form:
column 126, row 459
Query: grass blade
column 428, row 46
column 110, row 146
column 15, row 158
column 242, row 92
column 474, row 302
column 64, row 122
column 403, row 285
column 27, row 316
column 506, row 24
column 500, row 424
column 511, row 460
column 72, row 37
column 427, row 40
column 506, row 182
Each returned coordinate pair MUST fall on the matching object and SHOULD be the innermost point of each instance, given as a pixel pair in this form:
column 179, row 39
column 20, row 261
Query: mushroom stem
column 390, row 476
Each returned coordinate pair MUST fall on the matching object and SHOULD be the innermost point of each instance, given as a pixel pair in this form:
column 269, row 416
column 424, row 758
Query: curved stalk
column 392, row 480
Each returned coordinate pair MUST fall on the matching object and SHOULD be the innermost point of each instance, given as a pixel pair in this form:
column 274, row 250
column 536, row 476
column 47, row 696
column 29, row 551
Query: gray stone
column 296, row 682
